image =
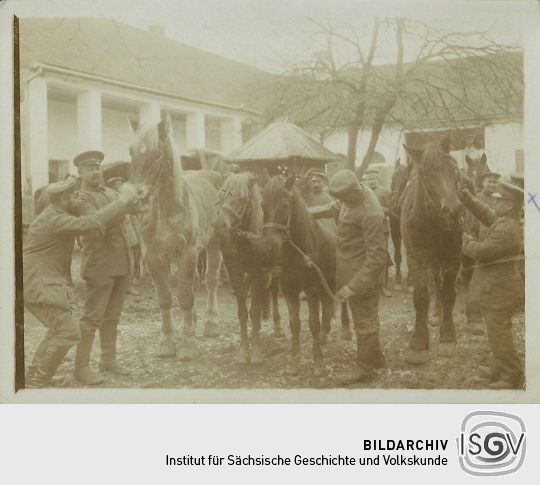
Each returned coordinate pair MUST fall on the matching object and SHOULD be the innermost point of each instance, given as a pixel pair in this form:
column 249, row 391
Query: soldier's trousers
column 104, row 302
column 499, row 331
column 62, row 330
column 365, row 313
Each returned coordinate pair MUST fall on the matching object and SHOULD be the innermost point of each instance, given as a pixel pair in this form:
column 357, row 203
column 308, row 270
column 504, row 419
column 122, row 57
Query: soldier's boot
column 46, row 366
column 368, row 358
column 108, row 335
column 83, row 373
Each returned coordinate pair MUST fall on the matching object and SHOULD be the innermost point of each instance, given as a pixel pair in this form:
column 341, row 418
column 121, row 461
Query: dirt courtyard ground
column 215, row 366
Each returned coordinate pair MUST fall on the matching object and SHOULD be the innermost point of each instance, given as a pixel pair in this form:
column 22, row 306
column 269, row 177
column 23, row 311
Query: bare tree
column 453, row 77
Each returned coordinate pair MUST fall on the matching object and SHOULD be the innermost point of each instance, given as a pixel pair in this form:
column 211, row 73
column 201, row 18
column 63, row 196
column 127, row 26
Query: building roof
column 104, row 47
column 281, row 141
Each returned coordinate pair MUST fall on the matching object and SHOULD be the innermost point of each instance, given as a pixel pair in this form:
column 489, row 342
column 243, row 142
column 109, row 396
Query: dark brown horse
column 177, row 218
column 239, row 228
column 292, row 233
column 400, row 177
column 431, row 225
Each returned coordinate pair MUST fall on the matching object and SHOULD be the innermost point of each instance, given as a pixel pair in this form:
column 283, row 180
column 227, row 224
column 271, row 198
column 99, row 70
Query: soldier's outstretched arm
column 66, row 223
column 477, row 208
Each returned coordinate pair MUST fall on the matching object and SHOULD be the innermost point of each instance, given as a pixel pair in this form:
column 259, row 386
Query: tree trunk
column 375, row 133
column 352, row 133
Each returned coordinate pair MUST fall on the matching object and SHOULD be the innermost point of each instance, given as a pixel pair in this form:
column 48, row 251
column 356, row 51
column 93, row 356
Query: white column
column 231, row 134
column 150, row 113
column 89, row 130
column 195, row 130
column 38, row 146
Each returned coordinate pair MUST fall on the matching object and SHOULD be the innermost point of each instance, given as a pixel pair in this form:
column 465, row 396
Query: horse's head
column 152, row 151
column 277, row 204
column 476, row 167
column 439, row 178
column 239, row 205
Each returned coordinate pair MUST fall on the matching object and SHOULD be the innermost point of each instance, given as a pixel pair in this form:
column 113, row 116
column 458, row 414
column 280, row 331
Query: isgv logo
column 491, row 443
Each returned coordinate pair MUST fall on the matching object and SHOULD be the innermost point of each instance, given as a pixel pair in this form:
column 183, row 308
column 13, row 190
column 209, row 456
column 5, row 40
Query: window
column 58, row 169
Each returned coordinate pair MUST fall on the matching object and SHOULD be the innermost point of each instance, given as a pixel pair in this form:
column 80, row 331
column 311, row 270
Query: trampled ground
column 215, row 367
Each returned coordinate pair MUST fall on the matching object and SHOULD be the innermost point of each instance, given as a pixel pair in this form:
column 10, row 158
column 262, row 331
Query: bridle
column 285, row 228
column 238, row 216
column 430, row 199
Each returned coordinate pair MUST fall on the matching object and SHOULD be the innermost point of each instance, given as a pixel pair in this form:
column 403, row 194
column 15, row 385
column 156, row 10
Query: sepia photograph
column 242, row 196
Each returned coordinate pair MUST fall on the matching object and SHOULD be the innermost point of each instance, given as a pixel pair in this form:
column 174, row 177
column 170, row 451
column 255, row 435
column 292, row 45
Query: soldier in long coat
column 384, row 196
column 105, row 268
column 496, row 285
column 48, row 244
column 360, row 264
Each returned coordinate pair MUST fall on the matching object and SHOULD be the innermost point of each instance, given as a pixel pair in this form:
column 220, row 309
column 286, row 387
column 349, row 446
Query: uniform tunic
column 105, row 252
column 361, row 247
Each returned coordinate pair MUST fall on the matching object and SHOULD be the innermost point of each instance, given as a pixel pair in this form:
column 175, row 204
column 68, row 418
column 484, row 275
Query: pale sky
column 263, row 32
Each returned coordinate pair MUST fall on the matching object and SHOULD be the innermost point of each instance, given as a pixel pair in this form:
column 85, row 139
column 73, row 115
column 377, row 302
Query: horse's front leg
column 257, row 302
column 345, row 321
column 419, row 343
column 213, row 271
column 291, row 292
column 274, row 289
column 447, row 334
column 186, row 283
column 315, row 327
column 159, row 269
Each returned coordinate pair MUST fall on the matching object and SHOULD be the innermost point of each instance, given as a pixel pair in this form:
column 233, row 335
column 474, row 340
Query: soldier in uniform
column 489, row 182
column 496, row 285
column 48, row 244
column 105, row 269
column 360, row 262
column 384, row 197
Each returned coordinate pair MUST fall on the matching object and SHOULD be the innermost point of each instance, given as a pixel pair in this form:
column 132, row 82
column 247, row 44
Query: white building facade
column 64, row 112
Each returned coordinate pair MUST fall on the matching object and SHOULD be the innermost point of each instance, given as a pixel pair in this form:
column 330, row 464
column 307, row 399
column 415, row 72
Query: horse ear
column 468, row 160
column 398, row 163
column 415, row 153
column 289, row 183
column 483, row 158
column 133, row 125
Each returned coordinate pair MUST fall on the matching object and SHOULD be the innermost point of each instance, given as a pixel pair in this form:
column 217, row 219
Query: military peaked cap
column 510, row 192
column 316, row 172
column 342, row 182
column 63, row 187
column 92, row 156
column 372, row 170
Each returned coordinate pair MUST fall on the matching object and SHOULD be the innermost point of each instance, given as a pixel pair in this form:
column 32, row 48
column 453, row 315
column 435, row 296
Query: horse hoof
column 167, row 349
column 278, row 333
column 447, row 349
column 292, row 369
column 256, row 357
column 476, row 328
column 187, row 353
column 319, row 370
column 242, row 357
column 211, row 330
column 346, row 334
column 417, row 357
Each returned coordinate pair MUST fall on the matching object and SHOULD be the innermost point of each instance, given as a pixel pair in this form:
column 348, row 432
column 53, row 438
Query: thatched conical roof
column 280, row 142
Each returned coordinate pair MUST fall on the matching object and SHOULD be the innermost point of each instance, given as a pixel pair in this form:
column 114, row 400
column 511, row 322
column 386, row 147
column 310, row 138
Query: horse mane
column 240, row 186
